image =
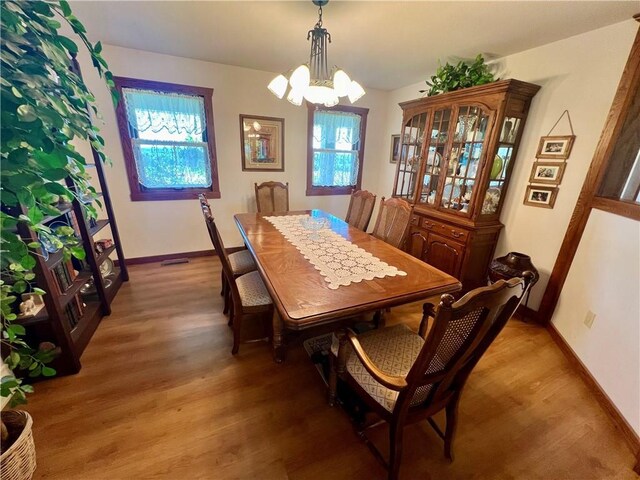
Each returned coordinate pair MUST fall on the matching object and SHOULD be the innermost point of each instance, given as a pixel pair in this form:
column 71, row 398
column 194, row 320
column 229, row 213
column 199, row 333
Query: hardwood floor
column 160, row 396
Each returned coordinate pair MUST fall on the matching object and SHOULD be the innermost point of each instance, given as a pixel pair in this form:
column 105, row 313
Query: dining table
column 318, row 270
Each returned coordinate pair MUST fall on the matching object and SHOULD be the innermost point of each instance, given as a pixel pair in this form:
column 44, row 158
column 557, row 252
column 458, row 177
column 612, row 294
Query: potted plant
column 462, row 75
column 45, row 106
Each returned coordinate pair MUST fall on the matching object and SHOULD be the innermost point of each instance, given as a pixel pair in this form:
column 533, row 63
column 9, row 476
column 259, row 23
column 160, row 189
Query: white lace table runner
column 339, row 261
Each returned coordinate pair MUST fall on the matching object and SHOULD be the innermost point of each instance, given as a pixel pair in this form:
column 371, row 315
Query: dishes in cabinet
column 434, row 158
column 450, row 191
column 496, row 169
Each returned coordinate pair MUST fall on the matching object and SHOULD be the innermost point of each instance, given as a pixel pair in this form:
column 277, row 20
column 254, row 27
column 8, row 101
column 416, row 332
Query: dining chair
column 272, row 197
column 393, row 220
column 360, row 209
column 248, row 293
column 406, row 377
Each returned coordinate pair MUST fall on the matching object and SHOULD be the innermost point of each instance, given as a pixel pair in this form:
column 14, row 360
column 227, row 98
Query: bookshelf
column 78, row 294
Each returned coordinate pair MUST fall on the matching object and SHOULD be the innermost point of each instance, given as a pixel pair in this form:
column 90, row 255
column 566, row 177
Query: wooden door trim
column 599, row 163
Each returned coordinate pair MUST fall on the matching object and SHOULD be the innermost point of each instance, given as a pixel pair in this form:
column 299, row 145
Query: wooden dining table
column 302, row 297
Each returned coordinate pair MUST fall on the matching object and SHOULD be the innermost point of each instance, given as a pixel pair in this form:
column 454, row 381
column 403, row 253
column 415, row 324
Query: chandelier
column 314, row 81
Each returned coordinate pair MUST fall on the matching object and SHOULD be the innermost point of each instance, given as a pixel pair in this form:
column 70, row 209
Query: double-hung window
column 335, row 149
column 167, row 139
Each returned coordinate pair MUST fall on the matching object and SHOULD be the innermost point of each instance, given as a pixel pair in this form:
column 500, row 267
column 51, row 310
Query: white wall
column 155, row 228
column 580, row 74
column 605, row 278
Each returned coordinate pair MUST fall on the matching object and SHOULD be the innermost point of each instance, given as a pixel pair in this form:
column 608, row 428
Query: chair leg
column 336, row 368
column 226, row 294
column 395, row 447
column 450, row 432
column 237, row 324
column 379, row 319
column 222, row 283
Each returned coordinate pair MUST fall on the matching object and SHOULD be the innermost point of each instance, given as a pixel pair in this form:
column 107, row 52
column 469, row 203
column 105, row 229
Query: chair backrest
column 393, row 221
column 360, row 209
column 216, row 240
column 461, row 333
column 272, row 197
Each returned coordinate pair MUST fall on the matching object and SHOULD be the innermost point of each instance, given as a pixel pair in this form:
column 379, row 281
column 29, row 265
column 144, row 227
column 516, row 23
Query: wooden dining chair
column 393, row 220
column 248, row 292
column 360, row 209
column 406, row 377
column 272, row 197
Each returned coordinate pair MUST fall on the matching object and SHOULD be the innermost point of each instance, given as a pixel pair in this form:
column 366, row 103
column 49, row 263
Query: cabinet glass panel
column 497, row 176
column 464, row 160
column 409, row 163
column 434, row 155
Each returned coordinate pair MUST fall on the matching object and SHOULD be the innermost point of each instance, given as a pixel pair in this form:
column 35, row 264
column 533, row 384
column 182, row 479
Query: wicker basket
column 19, row 461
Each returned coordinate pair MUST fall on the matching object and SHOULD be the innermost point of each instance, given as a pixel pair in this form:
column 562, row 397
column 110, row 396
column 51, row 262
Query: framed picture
column 540, row 196
column 549, row 173
column 395, row 149
column 262, row 141
column 557, row 148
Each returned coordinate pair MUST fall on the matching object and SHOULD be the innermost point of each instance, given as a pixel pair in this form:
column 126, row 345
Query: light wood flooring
column 161, row 396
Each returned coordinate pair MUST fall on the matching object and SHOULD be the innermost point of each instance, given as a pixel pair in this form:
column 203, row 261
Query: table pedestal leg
column 278, row 338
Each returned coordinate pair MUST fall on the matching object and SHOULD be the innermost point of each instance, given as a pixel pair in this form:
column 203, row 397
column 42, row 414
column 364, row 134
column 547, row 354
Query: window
column 619, row 190
column 335, row 149
column 167, row 139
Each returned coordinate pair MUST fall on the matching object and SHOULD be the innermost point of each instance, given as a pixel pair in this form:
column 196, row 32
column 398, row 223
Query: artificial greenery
column 45, row 107
column 462, row 75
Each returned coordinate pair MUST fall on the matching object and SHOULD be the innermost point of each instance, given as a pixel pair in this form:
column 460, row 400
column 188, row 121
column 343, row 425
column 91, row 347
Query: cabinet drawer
column 445, row 229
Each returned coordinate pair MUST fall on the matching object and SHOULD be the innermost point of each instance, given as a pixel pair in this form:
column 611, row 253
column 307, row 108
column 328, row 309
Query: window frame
column 139, row 193
column 313, row 190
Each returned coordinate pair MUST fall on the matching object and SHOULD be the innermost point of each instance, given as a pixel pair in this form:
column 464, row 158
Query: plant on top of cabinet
column 449, row 78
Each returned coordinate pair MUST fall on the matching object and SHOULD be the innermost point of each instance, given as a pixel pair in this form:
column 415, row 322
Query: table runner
column 338, row 260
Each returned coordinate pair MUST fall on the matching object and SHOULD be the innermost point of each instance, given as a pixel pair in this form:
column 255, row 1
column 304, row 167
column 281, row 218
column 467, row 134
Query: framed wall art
column 540, row 196
column 395, row 149
column 549, row 173
column 555, row 147
column 262, row 142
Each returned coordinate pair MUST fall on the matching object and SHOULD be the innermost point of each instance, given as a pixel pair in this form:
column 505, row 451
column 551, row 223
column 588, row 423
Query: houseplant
column 45, row 106
column 462, row 75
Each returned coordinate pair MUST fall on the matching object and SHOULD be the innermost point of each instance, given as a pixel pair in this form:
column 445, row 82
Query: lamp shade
column 278, row 86
column 341, row 83
column 295, row 97
column 300, row 78
column 319, row 94
column 355, row 91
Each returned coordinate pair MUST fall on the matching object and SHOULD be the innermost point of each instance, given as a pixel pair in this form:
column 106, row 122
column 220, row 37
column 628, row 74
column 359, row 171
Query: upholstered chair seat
column 242, row 262
column 394, row 351
column 252, row 291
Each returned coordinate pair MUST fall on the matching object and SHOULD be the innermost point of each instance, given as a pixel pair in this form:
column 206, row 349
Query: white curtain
column 336, row 140
column 168, row 145
column 171, row 112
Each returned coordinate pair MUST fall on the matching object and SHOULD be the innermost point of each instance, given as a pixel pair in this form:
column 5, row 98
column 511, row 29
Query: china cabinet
column 457, row 151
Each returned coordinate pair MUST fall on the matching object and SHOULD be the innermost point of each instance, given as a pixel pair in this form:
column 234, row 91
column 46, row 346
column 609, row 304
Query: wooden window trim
column 315, row 190
column 138, row 194
column 617, row 206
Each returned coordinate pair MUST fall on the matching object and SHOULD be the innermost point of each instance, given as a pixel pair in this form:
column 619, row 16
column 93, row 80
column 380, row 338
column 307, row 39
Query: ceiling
column 384, row 45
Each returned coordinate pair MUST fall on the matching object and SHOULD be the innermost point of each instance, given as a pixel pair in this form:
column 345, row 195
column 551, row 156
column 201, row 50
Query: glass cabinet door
column 434, row 155
column 411, row 140
column 509, row 131
column 463, row 165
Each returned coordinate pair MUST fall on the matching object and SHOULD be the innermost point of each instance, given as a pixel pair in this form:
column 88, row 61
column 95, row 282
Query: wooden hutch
column 456, row 156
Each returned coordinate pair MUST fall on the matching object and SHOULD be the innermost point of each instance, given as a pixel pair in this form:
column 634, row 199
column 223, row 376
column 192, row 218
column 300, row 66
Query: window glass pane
column 172, row 164
column 336, row 140
column 167, row 134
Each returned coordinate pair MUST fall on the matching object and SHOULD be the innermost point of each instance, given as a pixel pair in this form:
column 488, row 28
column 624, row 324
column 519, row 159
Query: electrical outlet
column 589, row 318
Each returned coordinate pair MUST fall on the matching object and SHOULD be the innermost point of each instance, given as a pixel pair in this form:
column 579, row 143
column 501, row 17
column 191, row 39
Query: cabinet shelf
column 100, row 224
column 78, row 282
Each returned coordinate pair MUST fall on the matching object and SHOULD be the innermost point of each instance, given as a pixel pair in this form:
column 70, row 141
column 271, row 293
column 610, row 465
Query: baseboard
column 173, row 256
column 631, row 437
